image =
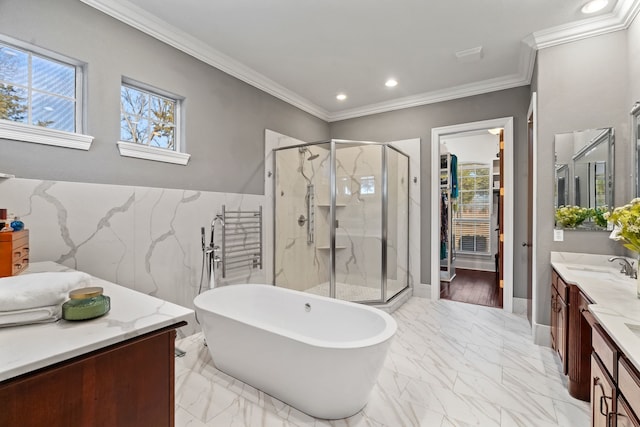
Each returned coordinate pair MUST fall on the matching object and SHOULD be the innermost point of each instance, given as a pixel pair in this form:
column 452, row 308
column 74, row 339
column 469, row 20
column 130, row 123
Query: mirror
column 584, row 173
column 635, row 143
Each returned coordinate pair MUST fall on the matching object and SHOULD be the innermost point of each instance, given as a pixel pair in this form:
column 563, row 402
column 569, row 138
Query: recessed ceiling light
column 341, row 97
column 391, row 83
column 594, row 6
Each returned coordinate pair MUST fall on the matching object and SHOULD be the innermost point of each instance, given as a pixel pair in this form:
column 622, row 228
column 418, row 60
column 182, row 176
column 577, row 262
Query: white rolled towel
column 39, row 289
column 30, row 315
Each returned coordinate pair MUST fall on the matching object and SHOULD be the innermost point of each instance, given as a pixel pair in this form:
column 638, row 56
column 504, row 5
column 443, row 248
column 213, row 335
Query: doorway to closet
column 472, row 211
column 469, row 217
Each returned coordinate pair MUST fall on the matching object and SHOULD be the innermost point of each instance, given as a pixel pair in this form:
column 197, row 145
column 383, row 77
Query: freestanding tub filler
column 317, row 354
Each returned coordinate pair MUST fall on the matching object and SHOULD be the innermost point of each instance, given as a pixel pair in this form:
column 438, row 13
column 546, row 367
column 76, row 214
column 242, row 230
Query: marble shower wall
column 147, row 239
column 359, row 262
column 359, row 195
column 300, row 264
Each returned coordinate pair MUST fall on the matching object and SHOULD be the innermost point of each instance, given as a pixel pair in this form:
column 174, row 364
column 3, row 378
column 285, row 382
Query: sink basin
column 589, row 268
column 633, row 328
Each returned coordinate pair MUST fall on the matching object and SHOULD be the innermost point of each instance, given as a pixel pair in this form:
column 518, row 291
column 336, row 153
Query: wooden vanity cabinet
column 629, row 390
column 559, row 318
column 624, row 415
column 130, row 384
column 603, row 395
column 578, row 345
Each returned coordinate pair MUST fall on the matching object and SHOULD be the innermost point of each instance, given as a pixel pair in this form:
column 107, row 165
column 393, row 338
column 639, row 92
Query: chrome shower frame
column 333, row 144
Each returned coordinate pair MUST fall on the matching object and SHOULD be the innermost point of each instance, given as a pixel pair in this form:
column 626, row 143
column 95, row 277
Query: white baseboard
column 422, row 290
column 541, row 334
column 520, row 306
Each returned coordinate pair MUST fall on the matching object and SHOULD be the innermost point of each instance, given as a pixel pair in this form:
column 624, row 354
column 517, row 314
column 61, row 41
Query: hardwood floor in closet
column 473, row 287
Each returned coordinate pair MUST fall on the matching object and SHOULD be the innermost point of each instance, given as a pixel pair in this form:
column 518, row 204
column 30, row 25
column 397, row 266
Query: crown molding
column 141, row 20
column 619, row 19
column 433, row 97
column 521, row 78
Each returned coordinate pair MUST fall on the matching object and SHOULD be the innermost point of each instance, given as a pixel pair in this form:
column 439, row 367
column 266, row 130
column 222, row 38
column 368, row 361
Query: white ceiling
column 306, row 52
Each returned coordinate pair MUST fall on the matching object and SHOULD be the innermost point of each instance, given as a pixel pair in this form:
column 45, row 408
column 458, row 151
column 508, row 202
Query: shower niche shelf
column 326, row 248
column 328, row 205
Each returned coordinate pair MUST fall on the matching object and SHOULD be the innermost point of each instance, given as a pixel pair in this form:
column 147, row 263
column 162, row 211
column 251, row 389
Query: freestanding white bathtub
column 319, row 355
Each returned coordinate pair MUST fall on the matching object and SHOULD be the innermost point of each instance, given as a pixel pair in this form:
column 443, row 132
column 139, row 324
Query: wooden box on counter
column 14, row 252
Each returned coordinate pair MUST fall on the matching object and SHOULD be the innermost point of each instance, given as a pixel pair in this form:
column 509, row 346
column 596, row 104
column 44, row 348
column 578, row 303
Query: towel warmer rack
column 241, row 239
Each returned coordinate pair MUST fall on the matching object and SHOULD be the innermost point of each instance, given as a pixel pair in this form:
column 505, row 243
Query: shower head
column 312, row 156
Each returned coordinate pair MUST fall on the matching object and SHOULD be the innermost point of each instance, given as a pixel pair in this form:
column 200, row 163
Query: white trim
column 520, row 306
column 541, row 334
column 436, row 134
column 6, row 175
column 127, row 12
column 41, row 135
column 139, row 19
column 433, row 97
column 619, row 19
column 533, row 111
column 139, row 151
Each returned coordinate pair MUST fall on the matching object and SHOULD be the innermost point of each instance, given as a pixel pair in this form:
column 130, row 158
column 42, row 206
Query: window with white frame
column 40, row 90
column 150, row 124
column 148, row 118
column 472, row 221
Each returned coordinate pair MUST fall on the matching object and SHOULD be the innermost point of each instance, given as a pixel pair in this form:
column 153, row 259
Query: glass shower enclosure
column 341, row 220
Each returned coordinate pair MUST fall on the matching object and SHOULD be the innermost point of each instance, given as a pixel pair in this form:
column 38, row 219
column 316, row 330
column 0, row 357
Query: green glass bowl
column 86, row 303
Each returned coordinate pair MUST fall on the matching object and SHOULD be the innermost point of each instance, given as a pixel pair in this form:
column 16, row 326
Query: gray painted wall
column 417, row 122
column 581, row 85
column 225, row 117
column 633, row 49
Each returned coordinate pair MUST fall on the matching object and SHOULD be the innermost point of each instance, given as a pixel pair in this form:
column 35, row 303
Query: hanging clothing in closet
column 454, row 176
column 444, row 223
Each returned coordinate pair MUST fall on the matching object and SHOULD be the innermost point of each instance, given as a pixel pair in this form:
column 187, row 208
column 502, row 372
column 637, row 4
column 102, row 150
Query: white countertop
column 26, row 348
column 616, row 304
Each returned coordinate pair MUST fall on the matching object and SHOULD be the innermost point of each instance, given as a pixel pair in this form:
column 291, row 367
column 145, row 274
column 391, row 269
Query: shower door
column 301, row 258
column 359, row 217
column 397, row 219
column 341, row 220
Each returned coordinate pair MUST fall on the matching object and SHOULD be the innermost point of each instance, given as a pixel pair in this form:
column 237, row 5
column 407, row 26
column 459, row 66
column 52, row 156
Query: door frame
column 532, row 113
column 436, row 134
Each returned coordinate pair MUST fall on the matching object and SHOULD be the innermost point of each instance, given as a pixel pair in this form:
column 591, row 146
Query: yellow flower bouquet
column 627, row 222
column 571, row 216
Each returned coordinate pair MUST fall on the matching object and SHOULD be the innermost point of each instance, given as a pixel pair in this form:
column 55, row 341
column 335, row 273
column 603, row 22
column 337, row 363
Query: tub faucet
column 627, row 268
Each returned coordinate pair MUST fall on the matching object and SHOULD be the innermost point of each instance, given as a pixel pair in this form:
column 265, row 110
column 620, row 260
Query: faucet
column 627, row 268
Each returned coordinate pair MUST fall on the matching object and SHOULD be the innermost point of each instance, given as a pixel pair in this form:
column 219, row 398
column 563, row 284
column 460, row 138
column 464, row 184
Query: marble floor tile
column 450, row 365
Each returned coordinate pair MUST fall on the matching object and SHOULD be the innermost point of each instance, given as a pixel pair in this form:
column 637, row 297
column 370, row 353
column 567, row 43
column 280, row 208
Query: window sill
column 41, row 135
column 130, row 149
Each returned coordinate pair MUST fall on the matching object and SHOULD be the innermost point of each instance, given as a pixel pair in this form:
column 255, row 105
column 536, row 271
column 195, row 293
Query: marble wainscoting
column 147, row 239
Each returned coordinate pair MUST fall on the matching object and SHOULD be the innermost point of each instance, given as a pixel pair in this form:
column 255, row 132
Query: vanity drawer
column 604, row 348
column 629, row 382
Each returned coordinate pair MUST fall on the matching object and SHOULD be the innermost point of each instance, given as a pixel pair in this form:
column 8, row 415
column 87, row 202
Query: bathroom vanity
column 595, row 328
column 116, row 370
